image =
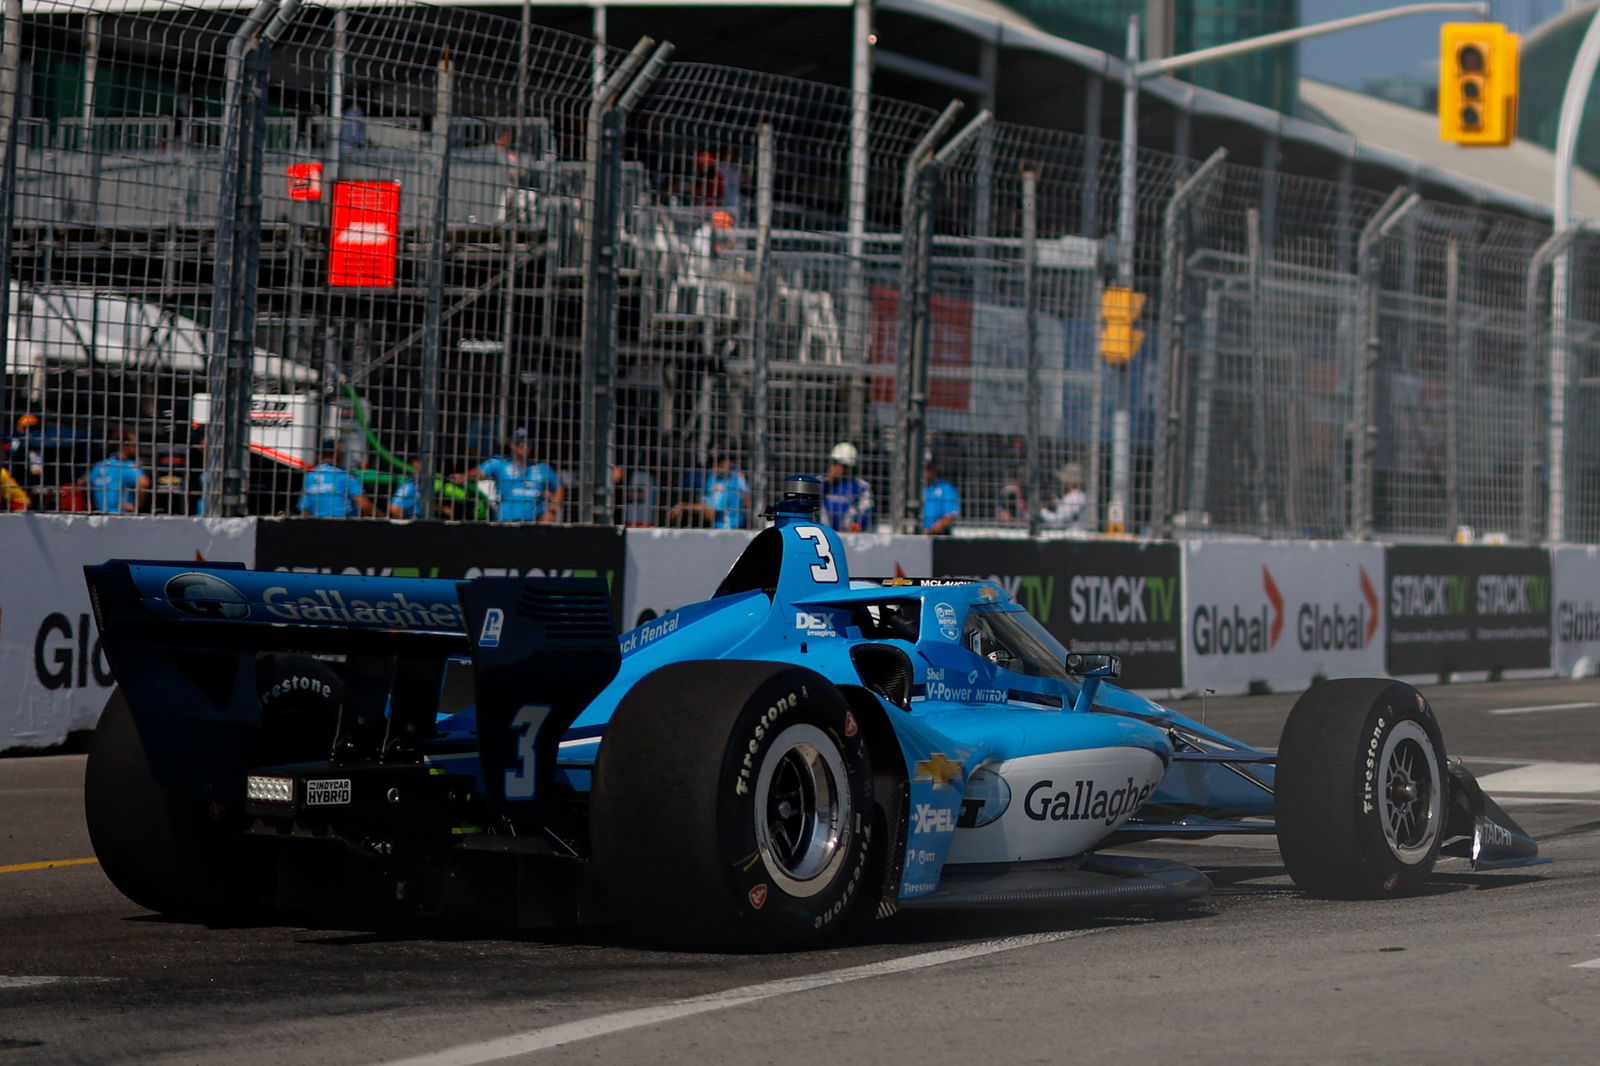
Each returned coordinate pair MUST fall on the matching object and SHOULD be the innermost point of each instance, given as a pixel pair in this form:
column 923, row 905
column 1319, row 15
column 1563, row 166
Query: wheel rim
column 802, row 810
column 1410, row 800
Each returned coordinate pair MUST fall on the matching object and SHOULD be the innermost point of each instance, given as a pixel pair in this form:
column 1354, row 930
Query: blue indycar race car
column 798, row 755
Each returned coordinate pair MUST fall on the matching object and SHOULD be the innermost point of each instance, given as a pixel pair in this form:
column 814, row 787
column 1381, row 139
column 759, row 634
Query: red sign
column 952, row 349
column 305, row 181
column 366, row 234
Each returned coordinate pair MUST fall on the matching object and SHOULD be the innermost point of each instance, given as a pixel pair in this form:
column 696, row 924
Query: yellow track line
column 21, row 867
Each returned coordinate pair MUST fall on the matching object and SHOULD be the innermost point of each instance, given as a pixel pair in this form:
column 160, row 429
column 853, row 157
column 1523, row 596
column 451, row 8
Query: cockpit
column 1012, row 639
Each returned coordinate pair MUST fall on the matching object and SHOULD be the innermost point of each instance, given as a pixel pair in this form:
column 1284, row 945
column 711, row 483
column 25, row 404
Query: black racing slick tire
column 171, row 852
column 732, row 807
column 1361, row 790
column 298, row 700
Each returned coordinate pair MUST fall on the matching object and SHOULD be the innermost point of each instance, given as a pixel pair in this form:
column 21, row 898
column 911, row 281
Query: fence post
column 91, row 71
column 231, row 364
column 916, row 310
column 1258, row 376
column 10, row 115
column 601, row 225
column 1364, row 430
column 924, row 174
column 1556, row 244
column 1556, row 399
column 760, row 321
column 1452, row 370
column 1030, row 333
column 1172, row 385
column 903, row 494
column 1205, row 390
column 433, row 301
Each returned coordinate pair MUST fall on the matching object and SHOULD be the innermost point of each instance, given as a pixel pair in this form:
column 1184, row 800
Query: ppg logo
column 494, row 621
column 206, row 596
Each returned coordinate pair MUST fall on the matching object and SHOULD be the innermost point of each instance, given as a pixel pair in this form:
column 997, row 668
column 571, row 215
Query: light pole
column 1134, row 71
column 1572, row 102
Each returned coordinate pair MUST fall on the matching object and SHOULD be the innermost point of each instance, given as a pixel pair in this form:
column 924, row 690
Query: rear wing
column 186, row 644
column 126, row 591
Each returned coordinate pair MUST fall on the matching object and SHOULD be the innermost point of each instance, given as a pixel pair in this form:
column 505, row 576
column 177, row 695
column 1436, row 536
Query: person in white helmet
column 846, row 499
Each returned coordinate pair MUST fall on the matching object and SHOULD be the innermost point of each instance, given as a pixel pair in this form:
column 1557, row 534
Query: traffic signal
column 1478, row 75
column 1119, row 310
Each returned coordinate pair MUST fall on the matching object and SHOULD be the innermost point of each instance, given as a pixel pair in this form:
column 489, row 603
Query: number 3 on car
column 520, row 778
column 825, row 571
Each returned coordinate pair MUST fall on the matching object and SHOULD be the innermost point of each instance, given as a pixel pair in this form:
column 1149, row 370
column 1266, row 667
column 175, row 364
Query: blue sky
column 1404, row 46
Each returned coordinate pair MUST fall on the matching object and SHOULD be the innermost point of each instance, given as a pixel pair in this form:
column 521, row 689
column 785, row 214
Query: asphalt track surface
column 1484, row 967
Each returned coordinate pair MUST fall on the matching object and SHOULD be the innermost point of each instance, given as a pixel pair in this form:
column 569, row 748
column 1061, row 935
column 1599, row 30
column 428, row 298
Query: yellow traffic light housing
column 1119, row 310
column 1478, row 75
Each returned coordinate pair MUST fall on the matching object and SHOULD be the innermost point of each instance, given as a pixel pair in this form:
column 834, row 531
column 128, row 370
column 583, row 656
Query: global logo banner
column 1467, row 609
column 1276, row 616
column 1575, row 636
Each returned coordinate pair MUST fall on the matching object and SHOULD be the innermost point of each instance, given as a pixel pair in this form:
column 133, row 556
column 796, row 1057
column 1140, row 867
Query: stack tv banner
column 1468, row 609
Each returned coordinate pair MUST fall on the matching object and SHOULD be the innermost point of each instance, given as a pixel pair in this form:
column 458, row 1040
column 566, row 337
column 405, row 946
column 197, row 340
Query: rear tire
column 172, row 852
column 298, row 700
column 732, row 807
column 1361, row 789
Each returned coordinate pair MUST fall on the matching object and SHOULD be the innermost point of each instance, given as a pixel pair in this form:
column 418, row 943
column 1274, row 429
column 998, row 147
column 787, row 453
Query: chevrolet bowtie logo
column 938, row 769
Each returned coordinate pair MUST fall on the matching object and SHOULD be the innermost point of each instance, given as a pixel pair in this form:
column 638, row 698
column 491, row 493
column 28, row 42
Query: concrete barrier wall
column 1575, row 632
column 1229, row 616
column 1278, row 615
column 53, row 675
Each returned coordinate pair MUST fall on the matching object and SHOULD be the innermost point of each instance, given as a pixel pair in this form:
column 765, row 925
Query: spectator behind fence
column 1068, row 509
column 846, row 499
column 405, row 503
column 525, row 491
column 117, row 484
column 353, row 127
column 716, row 181
column 12, row 496
column 331, row 491
column 635, row 496
column 723, row 503
column 941, row 503
column 1065, row 509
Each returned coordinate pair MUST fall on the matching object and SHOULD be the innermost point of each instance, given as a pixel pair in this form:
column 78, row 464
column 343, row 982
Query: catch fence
column 435, row 234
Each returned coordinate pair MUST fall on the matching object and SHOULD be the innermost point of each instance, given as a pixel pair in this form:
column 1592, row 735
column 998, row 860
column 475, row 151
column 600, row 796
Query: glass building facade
column 1265, row 78
column 1548, row 53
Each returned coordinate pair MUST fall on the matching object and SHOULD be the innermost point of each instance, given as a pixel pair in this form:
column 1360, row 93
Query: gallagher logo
column 1318, row 626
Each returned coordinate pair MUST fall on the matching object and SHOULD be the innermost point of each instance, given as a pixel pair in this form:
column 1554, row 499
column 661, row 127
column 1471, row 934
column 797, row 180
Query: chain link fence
column 414, row 261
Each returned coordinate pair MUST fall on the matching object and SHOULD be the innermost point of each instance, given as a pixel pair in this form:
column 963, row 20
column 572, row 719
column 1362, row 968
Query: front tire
column 1361, row 789
column 168, row 851
column 732, row 807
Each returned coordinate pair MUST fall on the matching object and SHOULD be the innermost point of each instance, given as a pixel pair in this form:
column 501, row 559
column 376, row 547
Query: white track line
column 1545, row 707
column 29, row 982
column 1560, row 778
column 586, row 1029
column 1592, row 964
